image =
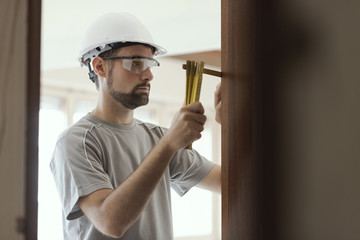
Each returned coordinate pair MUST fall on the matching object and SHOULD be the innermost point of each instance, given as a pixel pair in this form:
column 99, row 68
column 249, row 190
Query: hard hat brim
column 93, row 51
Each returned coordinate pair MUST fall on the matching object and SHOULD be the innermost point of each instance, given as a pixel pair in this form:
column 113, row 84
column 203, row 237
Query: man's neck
column 115, row 114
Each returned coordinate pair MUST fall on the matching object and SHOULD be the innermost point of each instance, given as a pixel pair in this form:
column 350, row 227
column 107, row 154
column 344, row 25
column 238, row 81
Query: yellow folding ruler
column 194, row 73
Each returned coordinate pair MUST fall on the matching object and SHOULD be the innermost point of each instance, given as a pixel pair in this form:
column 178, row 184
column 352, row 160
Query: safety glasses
column 136, row 64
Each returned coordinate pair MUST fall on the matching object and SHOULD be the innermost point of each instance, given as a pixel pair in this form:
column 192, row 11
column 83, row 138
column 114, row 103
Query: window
column 51, row 121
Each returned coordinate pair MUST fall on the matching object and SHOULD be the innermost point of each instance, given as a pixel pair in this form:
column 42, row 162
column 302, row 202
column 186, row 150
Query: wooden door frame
column 240, row 168
column 32, row 117
column 249, row 144
column 239, row 186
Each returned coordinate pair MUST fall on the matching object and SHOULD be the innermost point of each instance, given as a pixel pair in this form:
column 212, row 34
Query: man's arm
column 114, row 211
column 212, row 181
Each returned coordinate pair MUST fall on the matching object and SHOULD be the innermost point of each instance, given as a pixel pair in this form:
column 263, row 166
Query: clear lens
column 139, row 65
column 136, row 64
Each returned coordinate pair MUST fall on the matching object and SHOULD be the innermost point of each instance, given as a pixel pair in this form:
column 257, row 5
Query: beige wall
column 12, row 115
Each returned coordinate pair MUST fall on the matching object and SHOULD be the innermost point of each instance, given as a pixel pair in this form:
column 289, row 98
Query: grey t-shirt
column 94, row 154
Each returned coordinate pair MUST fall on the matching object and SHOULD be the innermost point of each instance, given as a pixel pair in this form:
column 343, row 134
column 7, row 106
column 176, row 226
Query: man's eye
column 136, row 63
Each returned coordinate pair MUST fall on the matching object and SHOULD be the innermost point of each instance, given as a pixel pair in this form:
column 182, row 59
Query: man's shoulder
column 78, row 129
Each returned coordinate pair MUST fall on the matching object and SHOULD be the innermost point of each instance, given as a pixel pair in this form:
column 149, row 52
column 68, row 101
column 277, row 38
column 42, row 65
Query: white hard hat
column 114, row 28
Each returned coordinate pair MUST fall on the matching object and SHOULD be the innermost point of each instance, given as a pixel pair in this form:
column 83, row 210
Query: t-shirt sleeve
column 77, row 170
column 188, row 168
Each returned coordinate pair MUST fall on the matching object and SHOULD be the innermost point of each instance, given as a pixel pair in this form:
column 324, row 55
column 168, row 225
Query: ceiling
column 181, row 26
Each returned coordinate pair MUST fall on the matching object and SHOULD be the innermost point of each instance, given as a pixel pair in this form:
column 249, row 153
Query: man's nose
column 147, row 75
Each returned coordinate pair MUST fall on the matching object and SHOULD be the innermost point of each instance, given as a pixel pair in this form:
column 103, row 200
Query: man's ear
column 99, row 66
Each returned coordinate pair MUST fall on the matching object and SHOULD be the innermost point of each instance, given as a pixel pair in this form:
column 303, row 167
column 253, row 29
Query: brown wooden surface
column 239, row 204
column 32, row 122
column 290, row 120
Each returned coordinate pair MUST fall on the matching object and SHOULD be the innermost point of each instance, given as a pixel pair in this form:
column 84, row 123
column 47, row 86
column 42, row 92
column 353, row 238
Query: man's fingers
column 194, row 117
column 187, row 125
column 217, row 98
column 198, row 118
column 195, row 107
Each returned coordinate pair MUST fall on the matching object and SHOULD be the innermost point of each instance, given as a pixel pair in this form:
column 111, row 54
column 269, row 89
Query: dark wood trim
column 32, row 117
column 239, row 178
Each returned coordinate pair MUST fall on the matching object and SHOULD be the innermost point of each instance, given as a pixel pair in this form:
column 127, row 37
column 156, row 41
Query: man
column 114, row 172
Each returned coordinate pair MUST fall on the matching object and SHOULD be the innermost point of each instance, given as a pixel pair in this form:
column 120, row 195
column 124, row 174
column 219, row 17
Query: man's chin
column 135, row 104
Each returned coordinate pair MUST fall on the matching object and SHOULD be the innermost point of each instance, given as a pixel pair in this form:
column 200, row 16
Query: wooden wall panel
column 290, row 132
column 316, row 102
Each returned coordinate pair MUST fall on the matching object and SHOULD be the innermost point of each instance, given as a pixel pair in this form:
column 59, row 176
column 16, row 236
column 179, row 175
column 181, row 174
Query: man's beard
column 132, row 99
